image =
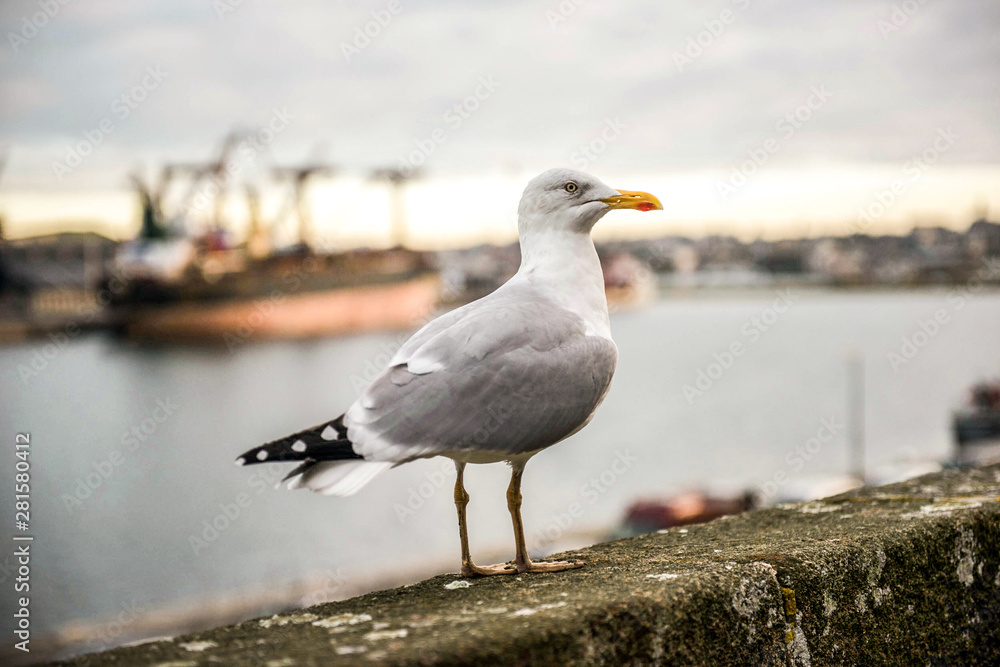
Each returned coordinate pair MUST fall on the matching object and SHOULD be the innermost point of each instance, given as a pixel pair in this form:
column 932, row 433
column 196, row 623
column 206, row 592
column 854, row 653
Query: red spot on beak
column 645, row 206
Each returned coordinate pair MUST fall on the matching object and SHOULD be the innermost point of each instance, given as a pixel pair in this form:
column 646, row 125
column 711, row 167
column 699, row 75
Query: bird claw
column 550, row 566
column 472, row 570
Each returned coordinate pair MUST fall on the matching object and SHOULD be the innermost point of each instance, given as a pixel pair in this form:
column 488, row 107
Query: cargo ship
column 172, row 285
column 298, row 295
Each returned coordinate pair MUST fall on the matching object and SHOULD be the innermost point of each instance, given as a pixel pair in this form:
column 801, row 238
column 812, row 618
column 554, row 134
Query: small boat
column 645, row 516
column 977, row 427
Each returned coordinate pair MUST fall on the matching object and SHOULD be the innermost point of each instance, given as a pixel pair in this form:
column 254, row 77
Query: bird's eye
column 571, row 187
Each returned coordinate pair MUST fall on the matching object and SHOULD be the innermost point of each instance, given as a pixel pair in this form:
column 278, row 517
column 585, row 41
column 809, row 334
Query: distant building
column 53, row 275
column 983, row 239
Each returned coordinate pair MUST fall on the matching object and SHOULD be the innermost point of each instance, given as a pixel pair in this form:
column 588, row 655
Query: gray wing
column 509, row 374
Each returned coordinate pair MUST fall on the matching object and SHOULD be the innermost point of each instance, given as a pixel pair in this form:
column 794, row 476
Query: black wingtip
column 298, row 470
column 326, row 442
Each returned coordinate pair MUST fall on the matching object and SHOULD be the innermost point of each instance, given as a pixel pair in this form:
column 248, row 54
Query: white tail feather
column 339, row 478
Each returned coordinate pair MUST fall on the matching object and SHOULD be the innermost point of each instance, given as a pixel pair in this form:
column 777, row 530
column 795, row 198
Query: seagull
column 497, row 380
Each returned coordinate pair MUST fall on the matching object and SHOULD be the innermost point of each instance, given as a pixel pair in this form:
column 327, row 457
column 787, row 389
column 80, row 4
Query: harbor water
column 136, row 500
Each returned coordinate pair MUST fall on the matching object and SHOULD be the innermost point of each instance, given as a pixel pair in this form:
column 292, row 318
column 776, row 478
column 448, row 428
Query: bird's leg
column 521, row 561
column 470, row 569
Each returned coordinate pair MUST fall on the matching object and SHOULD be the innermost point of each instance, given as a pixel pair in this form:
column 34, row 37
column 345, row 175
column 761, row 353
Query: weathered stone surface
column 906, row 574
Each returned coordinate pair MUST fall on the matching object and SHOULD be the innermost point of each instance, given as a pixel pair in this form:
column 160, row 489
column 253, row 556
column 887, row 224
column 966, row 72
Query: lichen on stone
column 341, row 620
column 817, row 508
column 965, row 553
column 197, row 647
column 751, row 593
column 880, row 594
column 829, row 604
column 379, row 635
column 285, row 620
column 799, row 655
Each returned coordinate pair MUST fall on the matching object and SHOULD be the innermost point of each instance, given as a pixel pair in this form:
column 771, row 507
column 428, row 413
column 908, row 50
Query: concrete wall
column 906, row 574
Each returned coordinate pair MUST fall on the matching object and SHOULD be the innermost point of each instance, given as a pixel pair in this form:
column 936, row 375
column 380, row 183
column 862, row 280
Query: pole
column 856, row 403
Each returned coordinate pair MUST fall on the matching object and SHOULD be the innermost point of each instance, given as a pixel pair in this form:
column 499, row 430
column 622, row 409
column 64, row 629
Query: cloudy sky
column 835, row 100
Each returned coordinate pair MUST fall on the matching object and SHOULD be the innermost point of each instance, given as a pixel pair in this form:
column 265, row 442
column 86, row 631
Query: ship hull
column 340, row 310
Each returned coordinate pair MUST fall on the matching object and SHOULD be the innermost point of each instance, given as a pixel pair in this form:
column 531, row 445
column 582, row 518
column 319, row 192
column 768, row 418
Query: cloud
column 559, row 83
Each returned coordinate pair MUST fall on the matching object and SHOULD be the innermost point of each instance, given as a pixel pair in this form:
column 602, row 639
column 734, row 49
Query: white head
column 568, row 200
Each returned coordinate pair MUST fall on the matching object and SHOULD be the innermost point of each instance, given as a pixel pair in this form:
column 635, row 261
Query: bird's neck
column 566, row 266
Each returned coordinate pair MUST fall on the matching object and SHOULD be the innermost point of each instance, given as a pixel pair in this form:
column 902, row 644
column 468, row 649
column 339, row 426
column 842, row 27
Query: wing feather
column 510, row 374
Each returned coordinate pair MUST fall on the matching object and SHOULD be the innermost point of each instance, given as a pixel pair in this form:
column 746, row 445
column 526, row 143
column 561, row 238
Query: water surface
column 132, row 446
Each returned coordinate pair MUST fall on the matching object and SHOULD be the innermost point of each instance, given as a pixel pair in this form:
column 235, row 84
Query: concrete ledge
column 906, row 574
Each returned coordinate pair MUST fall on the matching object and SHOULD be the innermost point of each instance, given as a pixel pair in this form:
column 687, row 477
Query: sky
column 752, row 117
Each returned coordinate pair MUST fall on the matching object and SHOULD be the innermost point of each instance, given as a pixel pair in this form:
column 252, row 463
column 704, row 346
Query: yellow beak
column 641, row 201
